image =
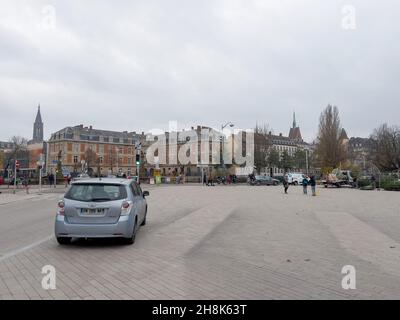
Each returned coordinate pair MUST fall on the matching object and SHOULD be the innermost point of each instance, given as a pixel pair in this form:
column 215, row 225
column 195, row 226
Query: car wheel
column 275, row 183
column 295, row 183
column 144, row 220
column 131, row 240
column 63, row 240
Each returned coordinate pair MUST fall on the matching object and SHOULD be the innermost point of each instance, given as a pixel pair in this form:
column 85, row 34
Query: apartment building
column 98, row 152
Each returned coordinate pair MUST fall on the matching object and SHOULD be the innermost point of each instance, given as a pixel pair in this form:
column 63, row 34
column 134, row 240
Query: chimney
column 270, row 133
column 90, row 127
column 280, row 134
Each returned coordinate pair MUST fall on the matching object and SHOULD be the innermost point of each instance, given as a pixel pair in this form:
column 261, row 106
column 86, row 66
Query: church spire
column 38, row 119
column 38, row 127
column 294, row 120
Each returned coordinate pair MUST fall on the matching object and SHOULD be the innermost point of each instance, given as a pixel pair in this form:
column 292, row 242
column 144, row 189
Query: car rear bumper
column 123, row 228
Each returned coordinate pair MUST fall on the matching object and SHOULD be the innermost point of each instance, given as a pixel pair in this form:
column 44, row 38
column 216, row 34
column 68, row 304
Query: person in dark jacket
column 305, row 184
column 286, row 183
column 51, row 179
column 313, row 184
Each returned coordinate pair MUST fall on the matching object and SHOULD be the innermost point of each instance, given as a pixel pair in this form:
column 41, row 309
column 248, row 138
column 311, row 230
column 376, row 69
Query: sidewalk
column 6, row 198
column 7, row 195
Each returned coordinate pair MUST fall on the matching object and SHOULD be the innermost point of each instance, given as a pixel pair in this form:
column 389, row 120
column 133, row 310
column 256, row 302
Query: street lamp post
column 307, row 161
column 40, row 164
column 16, row 166
column 138, row 160
column 222, row 132
column 117, row 160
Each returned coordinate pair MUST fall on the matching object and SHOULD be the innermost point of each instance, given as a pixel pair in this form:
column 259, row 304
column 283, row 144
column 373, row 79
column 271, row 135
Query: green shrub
column 364, row 183
column 391, row 185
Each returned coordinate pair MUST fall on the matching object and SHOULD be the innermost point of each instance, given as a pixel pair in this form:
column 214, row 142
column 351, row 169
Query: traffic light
column 138, row 159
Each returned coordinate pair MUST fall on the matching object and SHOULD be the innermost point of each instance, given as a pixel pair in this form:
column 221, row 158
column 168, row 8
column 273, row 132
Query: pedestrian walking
column 286, row 183
column 373, row 182
column 205, row 180
column 51, row 179
column 305, row 184
column 66, row 181
column 313, row 184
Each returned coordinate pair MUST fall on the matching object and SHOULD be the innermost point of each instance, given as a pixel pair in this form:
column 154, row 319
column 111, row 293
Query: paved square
column 222, row 242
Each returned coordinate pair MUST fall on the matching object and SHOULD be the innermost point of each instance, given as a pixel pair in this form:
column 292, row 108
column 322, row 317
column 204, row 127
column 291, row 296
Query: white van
column 295, row 178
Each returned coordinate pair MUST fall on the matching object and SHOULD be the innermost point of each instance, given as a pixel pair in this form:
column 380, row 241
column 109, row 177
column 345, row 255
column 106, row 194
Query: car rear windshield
column 96, row 192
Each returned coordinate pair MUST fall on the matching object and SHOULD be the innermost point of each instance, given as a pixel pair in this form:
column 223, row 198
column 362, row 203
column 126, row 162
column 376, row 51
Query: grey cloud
column 135, row 65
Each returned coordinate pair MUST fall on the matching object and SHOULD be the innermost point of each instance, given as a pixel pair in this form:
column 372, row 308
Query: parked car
column 1, row 180
column 101, row 208
column 295, row 178
column 81, row 176
column 264, row 180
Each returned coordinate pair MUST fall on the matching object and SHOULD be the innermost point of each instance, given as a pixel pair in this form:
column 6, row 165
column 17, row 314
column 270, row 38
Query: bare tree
column 330, row 149
column 91, row 159
column 262, row 144
column 19, row 144
column 299, row 159
column 386, row 147
column 286, row 162
column 273, row 160
column 19, row 151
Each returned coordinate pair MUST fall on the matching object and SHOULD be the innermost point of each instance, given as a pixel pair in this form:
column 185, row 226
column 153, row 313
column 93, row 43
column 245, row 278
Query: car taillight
column 61, row 208
column 125, row 205
column 126, row 208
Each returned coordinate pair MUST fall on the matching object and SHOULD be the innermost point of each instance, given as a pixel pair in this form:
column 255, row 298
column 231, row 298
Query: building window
column 75, row 159
column 76, row 147
column 101, row 159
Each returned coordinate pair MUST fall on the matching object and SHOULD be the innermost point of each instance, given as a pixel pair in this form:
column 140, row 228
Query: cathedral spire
column 38, row 127
column 38, row 116
column 294, row 120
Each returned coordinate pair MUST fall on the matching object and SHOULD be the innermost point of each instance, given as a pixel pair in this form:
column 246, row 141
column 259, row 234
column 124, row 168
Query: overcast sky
column 135, row 65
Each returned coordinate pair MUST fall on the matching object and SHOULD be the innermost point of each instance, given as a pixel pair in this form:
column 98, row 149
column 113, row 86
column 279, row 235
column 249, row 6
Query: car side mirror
column 146, row 194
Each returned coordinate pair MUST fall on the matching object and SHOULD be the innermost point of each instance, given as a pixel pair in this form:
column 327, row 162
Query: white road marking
column 19, row 250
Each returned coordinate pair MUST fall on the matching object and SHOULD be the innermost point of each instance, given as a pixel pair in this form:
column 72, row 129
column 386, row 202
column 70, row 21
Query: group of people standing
column 305, row 183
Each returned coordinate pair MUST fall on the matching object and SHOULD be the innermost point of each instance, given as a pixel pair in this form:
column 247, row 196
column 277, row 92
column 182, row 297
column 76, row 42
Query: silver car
column 101, row 208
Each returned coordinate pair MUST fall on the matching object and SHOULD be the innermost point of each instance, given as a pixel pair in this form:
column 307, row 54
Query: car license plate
column 92, row 211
